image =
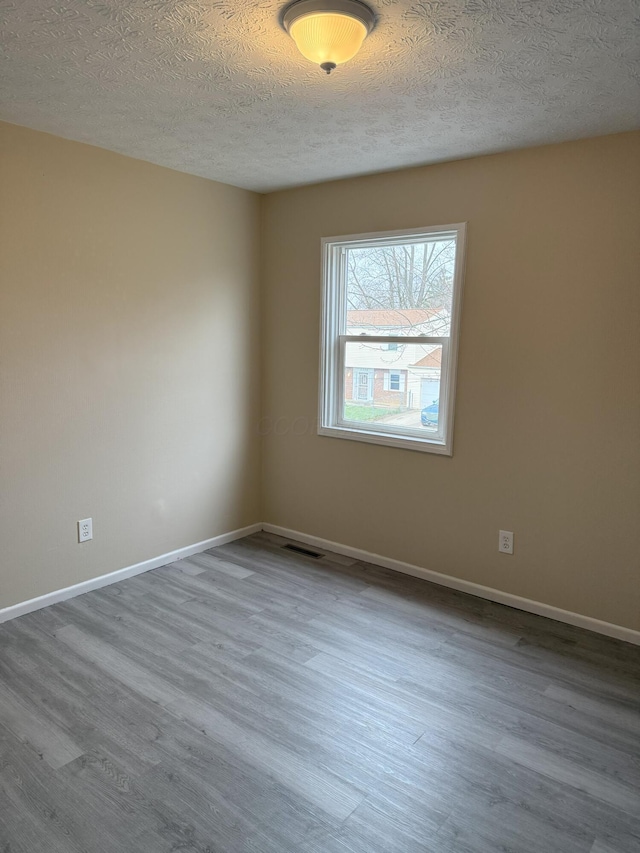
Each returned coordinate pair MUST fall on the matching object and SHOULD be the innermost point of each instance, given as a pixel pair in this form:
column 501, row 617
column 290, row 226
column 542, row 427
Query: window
column 391, row 309
column 394, row 381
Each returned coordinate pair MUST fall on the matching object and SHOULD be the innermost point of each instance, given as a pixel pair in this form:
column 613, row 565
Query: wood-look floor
column 251, row 700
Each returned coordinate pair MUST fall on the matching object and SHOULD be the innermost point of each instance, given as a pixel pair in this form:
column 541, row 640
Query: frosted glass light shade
column 328, row 37
column 328, row 32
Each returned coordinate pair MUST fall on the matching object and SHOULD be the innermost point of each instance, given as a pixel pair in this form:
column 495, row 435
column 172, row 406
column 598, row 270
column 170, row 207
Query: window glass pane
column 401, row 289
column 395, row 390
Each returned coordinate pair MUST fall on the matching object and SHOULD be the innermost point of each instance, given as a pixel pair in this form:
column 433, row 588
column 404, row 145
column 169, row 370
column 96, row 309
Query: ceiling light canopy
column 328, row 32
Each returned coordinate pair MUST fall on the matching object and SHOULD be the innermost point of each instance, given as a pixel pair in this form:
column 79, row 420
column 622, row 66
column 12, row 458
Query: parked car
column 429, row 415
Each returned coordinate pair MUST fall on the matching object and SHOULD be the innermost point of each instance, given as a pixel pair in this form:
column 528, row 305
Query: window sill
column 424, row 445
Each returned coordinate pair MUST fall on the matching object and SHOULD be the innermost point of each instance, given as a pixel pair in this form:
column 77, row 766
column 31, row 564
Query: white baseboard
column 41, row 601
column 537, row 607
column 526, row 604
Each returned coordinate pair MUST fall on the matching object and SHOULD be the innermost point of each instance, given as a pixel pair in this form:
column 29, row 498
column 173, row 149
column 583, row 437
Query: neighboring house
column 394, row 375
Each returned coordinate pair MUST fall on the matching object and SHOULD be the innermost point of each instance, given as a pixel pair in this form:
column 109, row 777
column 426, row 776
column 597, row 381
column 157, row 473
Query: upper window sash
column 398, row 238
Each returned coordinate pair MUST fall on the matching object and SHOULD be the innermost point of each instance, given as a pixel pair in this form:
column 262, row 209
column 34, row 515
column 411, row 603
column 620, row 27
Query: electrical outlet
column 85, row 530
column 505, row 541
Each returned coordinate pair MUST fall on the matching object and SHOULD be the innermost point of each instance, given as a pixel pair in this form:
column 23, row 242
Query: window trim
column 333, row 340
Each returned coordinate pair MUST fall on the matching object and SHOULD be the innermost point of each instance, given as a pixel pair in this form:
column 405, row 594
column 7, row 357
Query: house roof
column 391, row 318
column 433, row 359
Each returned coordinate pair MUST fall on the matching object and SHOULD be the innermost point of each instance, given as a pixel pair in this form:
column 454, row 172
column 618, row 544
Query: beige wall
column 547, row 430
column 129, row 386
column 130, row 379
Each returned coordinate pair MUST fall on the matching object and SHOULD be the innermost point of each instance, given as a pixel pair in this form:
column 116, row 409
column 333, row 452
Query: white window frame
column 333, row 342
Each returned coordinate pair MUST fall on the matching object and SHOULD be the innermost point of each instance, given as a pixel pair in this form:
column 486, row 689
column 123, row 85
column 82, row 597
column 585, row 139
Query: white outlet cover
column 505, row 541
column 85, row 529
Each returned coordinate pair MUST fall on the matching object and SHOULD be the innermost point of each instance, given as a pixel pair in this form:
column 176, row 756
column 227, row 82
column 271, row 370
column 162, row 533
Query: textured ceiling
column 216, row 88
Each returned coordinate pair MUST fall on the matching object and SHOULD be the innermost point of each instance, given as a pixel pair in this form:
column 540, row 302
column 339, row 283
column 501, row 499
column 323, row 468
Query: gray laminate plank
column 597, row 784
column 474, row 775
column 602, row 847
column 118, row 666
column 251, row 700
column 491, row 663
column 318, row 576
column 204, row 586
column 32, row 724
column 382, row 656
column 487, row 827
column 208, row 560
column 612, row 758
column 328, row 792
column 317, row 786
column 43, row 811
column 621, row 715
column 191, row 622
column 84, row 701
column 121, row 620
column 277, row 696
column 254, row 634
column 189, row 568
column 238, row 804
column 427, row 610
column 436, row 714
column 396, row 823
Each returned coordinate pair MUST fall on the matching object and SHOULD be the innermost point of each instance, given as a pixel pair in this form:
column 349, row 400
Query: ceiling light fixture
column 328, row 32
